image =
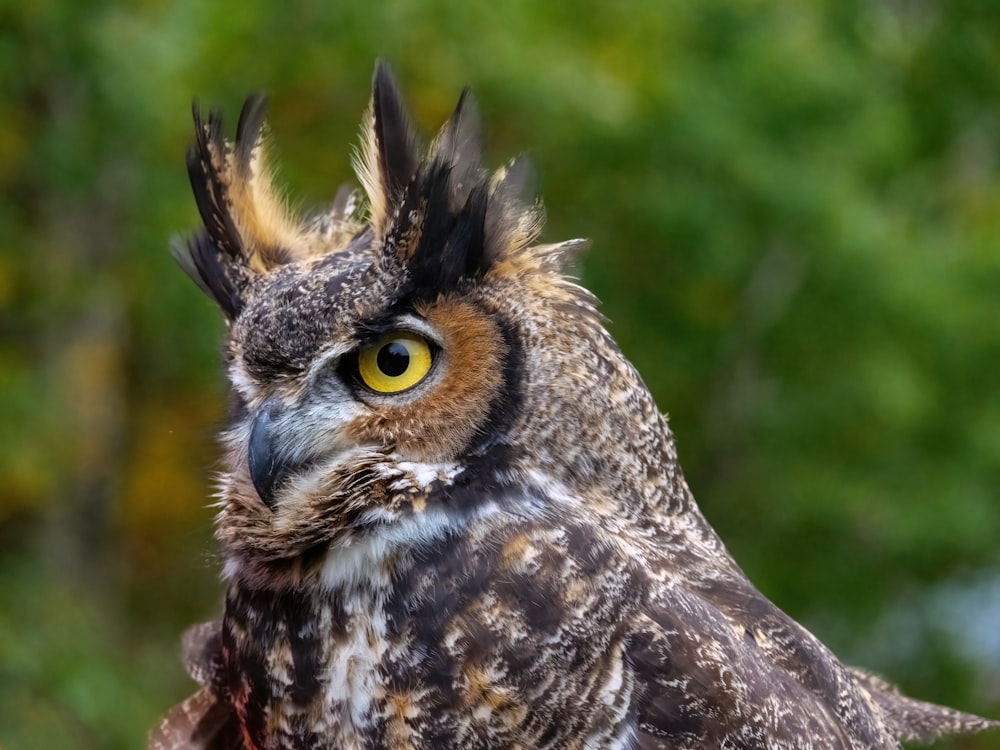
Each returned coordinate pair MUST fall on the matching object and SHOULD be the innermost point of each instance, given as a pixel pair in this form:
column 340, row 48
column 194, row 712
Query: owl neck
column 592, row 424
column 341, row 531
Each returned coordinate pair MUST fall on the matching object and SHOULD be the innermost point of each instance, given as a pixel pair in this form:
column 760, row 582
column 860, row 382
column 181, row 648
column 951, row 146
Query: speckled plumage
column 503, row 555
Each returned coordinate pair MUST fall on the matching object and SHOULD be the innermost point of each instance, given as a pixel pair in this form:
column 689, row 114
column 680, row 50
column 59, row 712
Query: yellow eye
column 394, row 363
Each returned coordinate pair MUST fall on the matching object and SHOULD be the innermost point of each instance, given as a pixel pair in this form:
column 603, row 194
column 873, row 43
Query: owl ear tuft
column 437, row 234
column 514, row 217
column 219, row 277
column 389, row 151
column 247, row 227
column 456, row 222
column 459, row 148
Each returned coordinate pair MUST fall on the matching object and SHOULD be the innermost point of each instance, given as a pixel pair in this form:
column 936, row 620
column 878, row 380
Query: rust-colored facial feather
column 442, row 418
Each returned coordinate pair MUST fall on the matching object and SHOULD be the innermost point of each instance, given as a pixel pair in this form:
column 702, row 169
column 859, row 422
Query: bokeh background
column 795, row 214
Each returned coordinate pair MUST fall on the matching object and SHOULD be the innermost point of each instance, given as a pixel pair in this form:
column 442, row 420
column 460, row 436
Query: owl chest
column 304, row 670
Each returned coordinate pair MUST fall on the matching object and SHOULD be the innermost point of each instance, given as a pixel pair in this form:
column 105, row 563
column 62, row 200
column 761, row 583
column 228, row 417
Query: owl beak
column 267, row 471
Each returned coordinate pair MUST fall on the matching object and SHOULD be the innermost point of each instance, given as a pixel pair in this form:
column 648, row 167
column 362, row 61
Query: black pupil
column 393, row 359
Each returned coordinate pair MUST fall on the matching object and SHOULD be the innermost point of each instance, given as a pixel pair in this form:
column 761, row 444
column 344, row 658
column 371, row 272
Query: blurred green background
column 795, row 208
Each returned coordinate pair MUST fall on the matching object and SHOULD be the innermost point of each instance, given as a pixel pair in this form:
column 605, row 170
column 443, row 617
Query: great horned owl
column 451, row 513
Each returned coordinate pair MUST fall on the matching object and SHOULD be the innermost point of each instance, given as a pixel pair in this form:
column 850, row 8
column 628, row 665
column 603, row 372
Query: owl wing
column 202, row 722
column 717, row 662
column 702, row 681
column 205, row 720
column 913, row 720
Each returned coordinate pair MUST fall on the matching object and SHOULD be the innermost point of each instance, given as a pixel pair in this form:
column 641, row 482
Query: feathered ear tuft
column 389, row 153
column 438, row 231
column 459, row 147
column 515, row 217
column 248, row 230
column 456, row 222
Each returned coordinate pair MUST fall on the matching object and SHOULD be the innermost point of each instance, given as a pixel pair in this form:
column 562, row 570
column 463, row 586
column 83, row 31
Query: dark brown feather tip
column 249, row 132
column 203, row 162
column 460, row 146
column 397, row 144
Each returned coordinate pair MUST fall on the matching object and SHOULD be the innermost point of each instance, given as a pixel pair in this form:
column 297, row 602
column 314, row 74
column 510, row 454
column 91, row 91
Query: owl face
column 324, row 375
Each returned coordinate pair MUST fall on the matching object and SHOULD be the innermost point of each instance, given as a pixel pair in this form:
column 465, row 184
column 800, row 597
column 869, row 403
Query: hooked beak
column 268, row 468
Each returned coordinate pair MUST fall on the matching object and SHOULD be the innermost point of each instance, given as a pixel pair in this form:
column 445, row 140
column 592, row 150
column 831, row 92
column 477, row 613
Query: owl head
column 417, row 351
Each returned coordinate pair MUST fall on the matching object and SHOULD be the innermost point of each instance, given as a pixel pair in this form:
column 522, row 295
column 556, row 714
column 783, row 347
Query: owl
column 451, row 514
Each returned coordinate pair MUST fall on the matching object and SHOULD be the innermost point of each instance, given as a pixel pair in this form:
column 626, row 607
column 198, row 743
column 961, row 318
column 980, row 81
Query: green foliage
column 795, row 210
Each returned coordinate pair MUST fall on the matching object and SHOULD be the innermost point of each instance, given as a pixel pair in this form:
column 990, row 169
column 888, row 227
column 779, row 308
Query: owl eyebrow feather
column 401, row 317
column 370, row 329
